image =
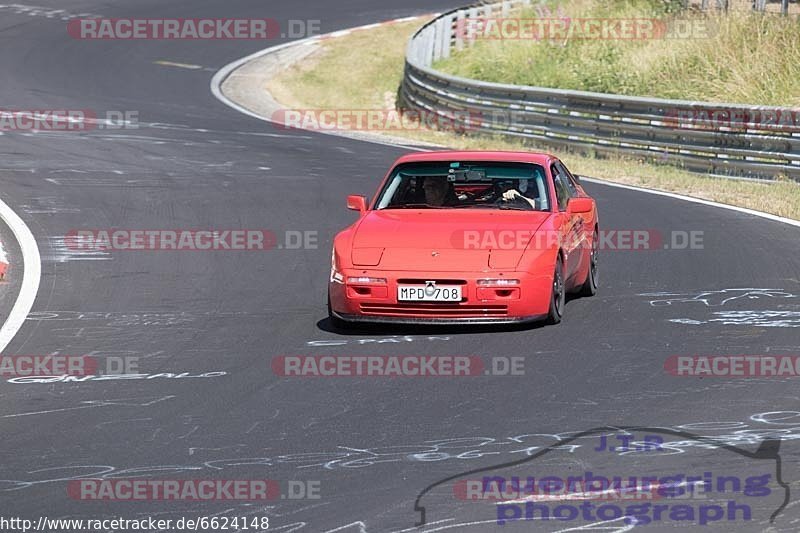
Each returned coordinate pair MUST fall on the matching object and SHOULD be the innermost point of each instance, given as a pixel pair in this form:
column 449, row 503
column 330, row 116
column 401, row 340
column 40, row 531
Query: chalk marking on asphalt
column 165, row 63
column 31, row 275
column 187, row 66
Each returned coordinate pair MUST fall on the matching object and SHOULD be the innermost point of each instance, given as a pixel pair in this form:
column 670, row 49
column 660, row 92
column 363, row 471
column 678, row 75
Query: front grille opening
column 433, row 309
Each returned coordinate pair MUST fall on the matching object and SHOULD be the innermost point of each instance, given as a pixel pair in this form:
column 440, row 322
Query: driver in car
column 439, row 192
column 507, row 193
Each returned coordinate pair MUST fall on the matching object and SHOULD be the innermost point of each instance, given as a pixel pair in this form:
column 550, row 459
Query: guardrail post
column 447, row 35
column 437, row 40
column 430, row 40
column 461, row 29
column 429, row 53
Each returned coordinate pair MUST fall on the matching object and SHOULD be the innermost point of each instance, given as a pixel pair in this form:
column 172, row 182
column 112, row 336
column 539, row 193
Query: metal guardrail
column 766, row 6
column 721, row 139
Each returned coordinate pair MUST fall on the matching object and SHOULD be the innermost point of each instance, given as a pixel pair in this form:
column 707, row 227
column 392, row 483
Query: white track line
column 3, row 255
column 224, row 72
column 753, row 212
column 31, row 274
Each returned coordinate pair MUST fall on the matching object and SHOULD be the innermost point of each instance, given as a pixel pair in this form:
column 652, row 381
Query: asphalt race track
column 372, row 444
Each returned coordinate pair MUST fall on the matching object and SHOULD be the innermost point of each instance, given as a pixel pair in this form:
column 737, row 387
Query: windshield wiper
column 414, row 206
column 514, row 207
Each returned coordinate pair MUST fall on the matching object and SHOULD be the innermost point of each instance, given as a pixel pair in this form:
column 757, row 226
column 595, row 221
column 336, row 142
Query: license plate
column 422, row 293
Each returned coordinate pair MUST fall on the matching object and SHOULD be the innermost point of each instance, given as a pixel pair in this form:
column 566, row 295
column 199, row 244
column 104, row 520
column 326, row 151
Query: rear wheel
column 589, row 287
column 558, row 296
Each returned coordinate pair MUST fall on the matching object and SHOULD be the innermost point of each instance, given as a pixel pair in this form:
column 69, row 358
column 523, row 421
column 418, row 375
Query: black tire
column 335, row 321
column 558, row 295
column 589, row 287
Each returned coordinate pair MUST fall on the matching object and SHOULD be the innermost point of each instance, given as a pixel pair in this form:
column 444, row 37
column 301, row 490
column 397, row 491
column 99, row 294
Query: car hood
column 434, row 239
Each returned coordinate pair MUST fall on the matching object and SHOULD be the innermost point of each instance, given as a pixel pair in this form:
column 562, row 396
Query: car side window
column 562, row 191
column 569, row 179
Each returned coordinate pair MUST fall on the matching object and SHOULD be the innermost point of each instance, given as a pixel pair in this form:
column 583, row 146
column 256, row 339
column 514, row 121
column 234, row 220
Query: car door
column 575, row 190
column 589, row 221
column 571, row 225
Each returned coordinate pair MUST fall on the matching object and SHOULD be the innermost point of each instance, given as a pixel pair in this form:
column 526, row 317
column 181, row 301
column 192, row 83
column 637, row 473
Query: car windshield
column 466, row 185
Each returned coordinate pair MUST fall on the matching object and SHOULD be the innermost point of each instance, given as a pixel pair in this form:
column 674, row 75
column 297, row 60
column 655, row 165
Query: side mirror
column 580, row 205
column 357, row 202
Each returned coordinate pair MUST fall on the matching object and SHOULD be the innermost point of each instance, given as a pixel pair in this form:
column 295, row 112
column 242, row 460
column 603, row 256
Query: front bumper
column 529, row 301
column 429, row 321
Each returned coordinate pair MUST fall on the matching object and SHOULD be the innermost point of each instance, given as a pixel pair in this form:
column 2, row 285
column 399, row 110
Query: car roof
column 476, row 155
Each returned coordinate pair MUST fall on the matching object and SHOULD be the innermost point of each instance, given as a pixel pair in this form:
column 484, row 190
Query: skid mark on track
column 45, row 12
column 63, row 252
column 47, row 205
column 88, row 404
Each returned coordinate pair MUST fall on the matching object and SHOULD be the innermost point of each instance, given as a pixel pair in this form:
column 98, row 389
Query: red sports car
column 466, row 237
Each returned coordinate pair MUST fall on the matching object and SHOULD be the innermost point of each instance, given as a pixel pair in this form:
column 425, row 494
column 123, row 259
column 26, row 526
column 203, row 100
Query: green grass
column 746, row 58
